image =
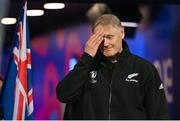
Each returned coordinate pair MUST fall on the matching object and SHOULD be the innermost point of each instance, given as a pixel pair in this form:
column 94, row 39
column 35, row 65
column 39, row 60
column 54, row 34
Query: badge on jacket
column 130, row 77
column 93, row 75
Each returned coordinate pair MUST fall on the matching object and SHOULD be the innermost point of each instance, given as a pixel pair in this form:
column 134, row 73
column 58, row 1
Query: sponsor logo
column 161, row 86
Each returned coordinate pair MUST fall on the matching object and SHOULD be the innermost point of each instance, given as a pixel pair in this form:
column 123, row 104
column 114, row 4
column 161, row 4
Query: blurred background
column 58, row 36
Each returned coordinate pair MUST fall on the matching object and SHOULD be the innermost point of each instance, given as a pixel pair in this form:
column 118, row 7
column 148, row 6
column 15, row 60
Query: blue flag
column 17, row 92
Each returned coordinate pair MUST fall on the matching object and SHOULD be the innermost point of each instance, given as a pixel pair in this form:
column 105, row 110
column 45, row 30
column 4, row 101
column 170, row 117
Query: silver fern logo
column 130, row 76
column 93, row 75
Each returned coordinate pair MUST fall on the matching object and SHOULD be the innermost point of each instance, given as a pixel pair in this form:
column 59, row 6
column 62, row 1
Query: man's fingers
column 99, row 41
column 93, row 43
column 92, row 38
column 98, row 37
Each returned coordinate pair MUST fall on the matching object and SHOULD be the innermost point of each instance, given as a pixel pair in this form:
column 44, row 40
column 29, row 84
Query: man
column 109, row 82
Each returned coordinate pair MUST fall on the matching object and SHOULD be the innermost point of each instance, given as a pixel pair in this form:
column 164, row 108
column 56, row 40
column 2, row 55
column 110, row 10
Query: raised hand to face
column 93, row 43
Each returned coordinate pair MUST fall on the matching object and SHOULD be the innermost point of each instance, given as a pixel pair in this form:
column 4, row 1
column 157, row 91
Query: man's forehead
column 105, row 28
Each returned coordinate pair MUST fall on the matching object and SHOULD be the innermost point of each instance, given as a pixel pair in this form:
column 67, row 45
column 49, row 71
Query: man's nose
column 106, row 42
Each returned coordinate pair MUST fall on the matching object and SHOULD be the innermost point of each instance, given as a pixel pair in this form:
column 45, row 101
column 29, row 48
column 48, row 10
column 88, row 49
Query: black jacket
column 98, row 89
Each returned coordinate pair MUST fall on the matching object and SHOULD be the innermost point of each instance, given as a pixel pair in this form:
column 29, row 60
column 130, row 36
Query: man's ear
column 122, row 32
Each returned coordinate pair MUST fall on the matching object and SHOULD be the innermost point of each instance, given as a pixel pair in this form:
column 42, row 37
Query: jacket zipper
column 110, row 96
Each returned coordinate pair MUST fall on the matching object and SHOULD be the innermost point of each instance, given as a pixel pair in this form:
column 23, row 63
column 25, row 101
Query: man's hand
column 93, row 43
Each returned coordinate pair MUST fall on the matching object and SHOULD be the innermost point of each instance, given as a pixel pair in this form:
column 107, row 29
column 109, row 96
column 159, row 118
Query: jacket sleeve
column 155, row 100
column 71, row 86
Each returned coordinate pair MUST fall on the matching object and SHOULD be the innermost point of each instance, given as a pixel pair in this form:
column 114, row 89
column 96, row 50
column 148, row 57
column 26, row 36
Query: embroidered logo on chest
column 93, row 75
column 131, row 76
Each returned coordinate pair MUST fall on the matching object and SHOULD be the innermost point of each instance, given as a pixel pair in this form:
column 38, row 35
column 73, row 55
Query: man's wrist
column 86, row 58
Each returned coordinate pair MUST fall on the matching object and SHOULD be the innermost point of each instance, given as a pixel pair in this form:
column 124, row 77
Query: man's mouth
column 106, row 49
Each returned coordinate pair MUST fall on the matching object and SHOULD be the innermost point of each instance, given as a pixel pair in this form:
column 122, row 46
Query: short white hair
column 107, row 19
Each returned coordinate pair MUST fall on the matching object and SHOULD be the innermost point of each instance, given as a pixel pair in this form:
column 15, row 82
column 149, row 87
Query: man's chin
column 107, row 55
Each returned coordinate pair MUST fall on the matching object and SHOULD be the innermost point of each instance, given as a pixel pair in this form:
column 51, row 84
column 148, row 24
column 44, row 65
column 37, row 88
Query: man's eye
column 109, row 37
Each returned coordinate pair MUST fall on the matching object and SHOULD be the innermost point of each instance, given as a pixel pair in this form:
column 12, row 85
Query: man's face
column 112, row 43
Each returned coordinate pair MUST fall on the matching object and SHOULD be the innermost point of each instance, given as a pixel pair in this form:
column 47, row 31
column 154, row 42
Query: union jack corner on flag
column 17, row 92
